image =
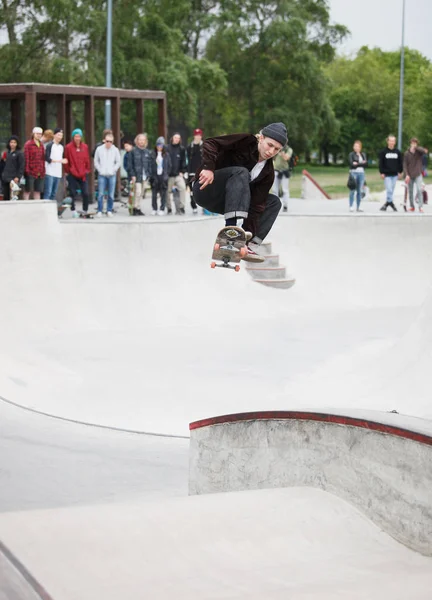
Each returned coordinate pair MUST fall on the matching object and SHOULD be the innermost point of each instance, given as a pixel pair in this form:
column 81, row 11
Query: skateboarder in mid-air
column 235, row 178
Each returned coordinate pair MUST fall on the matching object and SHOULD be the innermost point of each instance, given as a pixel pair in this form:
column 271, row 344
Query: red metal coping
column 310, row 416
column 316, row 184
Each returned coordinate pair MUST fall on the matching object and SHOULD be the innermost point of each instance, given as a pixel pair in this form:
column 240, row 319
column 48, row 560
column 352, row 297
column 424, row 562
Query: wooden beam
column 90, row 138
column 30, row 114
column 8, row 90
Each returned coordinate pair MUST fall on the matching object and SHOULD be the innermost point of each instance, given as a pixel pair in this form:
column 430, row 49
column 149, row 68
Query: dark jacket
column 240, row 150
column 360, row 159
column 166, row 165
column 413, row 162
column 390, row 162
column 177, row 153
column 13, row 165
column 194, row 157
column 140, row 161
column 127, row 163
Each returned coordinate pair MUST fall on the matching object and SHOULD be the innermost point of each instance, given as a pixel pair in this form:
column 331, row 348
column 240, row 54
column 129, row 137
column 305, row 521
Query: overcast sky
column 379, row 23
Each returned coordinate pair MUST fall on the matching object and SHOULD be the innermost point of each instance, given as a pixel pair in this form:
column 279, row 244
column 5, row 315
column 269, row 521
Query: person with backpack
column 12, row 165
column 357, row 162
column 413, row 167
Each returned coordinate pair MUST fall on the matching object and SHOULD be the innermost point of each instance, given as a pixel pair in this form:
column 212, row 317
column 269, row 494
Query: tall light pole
column 402, row 76
column 108, row 76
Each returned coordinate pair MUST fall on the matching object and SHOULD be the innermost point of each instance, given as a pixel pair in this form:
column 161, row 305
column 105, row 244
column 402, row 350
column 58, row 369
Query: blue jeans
column 51, row 185
column 390, row 182
column 106, row 184
column 359, row 177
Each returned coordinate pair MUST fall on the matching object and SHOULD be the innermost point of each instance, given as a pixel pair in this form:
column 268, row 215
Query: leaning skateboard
column 230, row 247
column 86, row 215
column 131, row 199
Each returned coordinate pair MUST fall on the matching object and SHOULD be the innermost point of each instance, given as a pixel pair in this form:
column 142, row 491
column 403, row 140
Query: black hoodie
column 390, row 162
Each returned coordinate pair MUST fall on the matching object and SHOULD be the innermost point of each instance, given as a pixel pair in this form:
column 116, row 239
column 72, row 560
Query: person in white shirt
column 107, row 162
column 54, row 162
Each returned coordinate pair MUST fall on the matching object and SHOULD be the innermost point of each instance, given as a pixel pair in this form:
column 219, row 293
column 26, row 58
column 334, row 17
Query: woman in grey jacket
column 13, row 168
column 357, row 162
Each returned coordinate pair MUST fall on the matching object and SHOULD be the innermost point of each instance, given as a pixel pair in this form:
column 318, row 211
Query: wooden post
column 30, row 114
column 115, row 126
column 15, row 118
column 162, row 117
column 43, row 114
column 61, row 114
column 90, row 138
column 139, row 115
column 69, row 121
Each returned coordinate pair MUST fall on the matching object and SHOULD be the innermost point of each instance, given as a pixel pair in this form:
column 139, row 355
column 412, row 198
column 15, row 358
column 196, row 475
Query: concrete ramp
column 382, row 464
column 124, row 324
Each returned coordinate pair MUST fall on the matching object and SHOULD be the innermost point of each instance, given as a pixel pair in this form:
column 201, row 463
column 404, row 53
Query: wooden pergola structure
column 32, row 99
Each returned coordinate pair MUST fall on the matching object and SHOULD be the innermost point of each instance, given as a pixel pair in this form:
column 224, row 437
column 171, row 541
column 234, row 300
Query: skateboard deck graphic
column 230, row 247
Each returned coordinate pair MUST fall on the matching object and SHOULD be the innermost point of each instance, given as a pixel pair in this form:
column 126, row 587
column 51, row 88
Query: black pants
column 6, row 190
column 76, row 184
column 160, row 186
column 229, row 195
column 193, row 203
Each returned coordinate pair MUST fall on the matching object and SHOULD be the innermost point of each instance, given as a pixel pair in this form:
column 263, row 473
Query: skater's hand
column 206, row 178
column 16, row 179
column 133, row 179
column 407, row 179
column 382, row 176
column 64, row 161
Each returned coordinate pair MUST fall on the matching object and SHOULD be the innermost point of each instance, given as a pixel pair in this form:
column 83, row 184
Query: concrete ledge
column 383, row 469
column 16, row 583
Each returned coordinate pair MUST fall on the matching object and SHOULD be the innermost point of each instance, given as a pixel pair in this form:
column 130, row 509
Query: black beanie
column 276, row 131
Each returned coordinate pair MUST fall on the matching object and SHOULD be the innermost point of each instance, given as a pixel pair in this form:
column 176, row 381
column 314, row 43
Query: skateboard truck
column 231, row 249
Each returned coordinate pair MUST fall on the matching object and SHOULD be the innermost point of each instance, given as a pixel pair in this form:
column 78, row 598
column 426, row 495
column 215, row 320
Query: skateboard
column 15, row 191
column 86, row 215
column 131, row 201
column 229, row 247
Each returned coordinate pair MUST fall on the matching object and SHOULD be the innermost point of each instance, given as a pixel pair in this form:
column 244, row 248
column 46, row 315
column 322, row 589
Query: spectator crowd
column 38, row 168
column 168, row 169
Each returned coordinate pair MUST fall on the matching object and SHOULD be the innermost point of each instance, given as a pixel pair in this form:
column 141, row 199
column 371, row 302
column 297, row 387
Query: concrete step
column 266, row 248
column 271, row 260
column 258, row 272
column 282, row 284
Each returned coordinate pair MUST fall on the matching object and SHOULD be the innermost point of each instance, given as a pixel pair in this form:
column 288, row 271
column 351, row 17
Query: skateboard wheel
column 237, row 268
column 243, row 251
column 213, row 265
column 216, row 247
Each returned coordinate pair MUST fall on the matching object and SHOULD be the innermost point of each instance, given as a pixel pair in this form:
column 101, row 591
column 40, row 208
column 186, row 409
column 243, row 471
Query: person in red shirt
column 34, row 171
column 78, row 168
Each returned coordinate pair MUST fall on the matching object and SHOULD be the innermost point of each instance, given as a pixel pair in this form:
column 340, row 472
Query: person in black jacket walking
column 176, row 183
column 161, row 171
column 194, row 157
column 13, row 168
column 141, row 169
column 357, row 162
column 390, row 167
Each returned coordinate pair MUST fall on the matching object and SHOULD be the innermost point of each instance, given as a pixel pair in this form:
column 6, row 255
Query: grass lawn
column 333, row 180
